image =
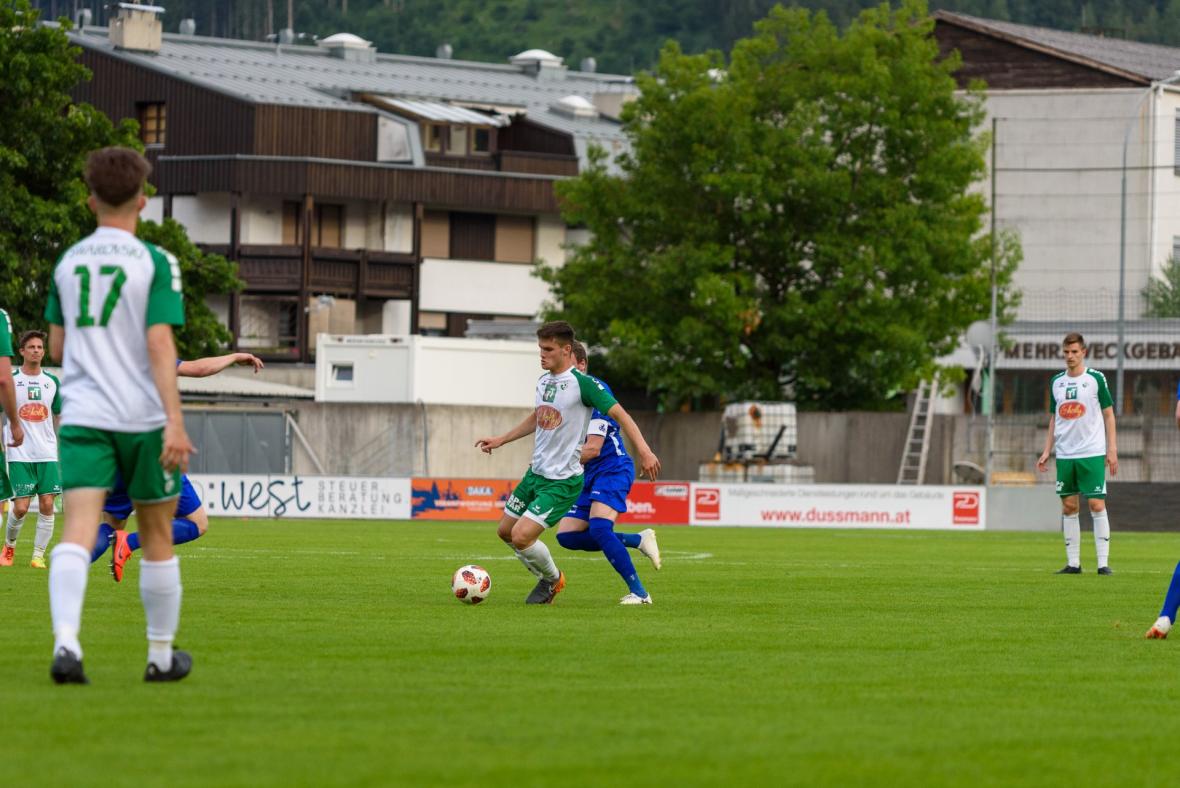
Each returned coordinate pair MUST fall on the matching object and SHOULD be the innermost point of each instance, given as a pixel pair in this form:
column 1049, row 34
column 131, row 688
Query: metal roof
column 235, row 386
column 309, row 76
column 434, row 110
column 1127, row 58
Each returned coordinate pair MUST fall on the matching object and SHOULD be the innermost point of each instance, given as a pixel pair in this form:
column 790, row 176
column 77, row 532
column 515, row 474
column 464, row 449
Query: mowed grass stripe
column 331, row 653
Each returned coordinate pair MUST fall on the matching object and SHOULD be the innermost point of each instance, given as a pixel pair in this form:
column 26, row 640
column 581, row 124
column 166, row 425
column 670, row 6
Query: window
column 342, row 373
column 432, row 324
column 329, row 225
column 432, row 137
column 457, row 142
column 153, row 123
column 292, row 223
column 473, row 236
column 269, row 325
column 481, row 140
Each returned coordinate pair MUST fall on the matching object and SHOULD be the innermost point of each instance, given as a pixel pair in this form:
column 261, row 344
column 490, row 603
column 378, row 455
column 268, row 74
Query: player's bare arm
column 526, row 427
column 162, row 358
column 1112, row 449
column 1178, row 414
column 57, row 343
column 649, row 463
column 211, row 365
column 591, row 448
column 8, row 401
column 1043, row 460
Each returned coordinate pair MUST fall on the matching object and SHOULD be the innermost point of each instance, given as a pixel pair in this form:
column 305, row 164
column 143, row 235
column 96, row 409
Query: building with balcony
column 358, row 192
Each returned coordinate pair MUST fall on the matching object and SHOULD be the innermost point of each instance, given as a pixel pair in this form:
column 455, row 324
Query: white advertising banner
column 347, row 497
column 840, row 506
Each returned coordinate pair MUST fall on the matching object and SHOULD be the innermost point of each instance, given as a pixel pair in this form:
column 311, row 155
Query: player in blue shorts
column 1163, row 625
column 191, row 520
column 590, row 524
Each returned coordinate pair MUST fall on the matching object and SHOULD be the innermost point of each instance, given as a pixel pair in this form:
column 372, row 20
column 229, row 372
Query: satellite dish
column 188, row 27
column 979, row 334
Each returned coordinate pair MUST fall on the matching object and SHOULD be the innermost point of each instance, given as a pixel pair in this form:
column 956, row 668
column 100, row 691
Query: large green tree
column 798, row 221
column 44, row 139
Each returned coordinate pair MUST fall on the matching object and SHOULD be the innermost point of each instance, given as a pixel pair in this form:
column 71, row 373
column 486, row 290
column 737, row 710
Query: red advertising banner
column 460, row 499
column 666, row 503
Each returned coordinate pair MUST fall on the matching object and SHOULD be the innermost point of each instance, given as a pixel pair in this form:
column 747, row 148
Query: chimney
column 137, row 27
column 539, row 63
column 348, row 47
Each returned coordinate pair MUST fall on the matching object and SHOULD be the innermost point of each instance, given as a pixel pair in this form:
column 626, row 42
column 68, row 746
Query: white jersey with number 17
column 106, row 290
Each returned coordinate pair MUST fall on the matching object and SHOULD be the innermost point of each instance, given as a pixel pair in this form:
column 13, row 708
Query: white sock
column 1101, row 536
column 539, row 556
column 68, row 566
column 159, row 588
column 527, row 565
column 44, row 534
column 1071, row 526
column 14, row 526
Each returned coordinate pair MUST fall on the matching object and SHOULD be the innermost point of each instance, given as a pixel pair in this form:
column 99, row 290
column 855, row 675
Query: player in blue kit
column 1163, row 625
column 609, row 472
column 190, row 521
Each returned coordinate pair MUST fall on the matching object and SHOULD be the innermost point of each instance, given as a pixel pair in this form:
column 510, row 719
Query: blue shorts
column 609, row 487
column 118, row 503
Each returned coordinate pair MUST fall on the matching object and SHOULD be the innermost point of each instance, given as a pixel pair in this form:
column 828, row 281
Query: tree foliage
column 798, row 220
column 1162, row 295
column 44, row 139
column 624, row 36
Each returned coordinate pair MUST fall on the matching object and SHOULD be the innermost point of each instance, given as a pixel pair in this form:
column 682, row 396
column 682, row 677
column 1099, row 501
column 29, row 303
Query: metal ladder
column 917, row 440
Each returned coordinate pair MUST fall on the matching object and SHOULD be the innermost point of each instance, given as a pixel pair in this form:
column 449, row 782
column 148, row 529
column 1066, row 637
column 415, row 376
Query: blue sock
column 1172, row 600
column 183, row 530
column 578, row 540
column 629, row 540
column 103, row 542
column 603, row 532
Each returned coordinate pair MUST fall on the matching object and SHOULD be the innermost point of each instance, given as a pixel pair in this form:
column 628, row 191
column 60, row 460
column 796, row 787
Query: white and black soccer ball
column 471, row 584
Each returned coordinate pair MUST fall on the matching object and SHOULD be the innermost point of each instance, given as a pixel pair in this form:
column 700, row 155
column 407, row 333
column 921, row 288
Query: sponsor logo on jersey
column 1071, row 392
column 1071, row 410
column 33, row 411
column 550, row 392
column 34, row 392
column 548, row 417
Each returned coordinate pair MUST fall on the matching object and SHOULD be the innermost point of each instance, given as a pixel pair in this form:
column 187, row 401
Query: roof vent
column 444, row 51
column 137, row 27
column 348, row 47
column 188, row 27
column 82, row 18
column 589, row 65
column 539, row 63
column 575, row 107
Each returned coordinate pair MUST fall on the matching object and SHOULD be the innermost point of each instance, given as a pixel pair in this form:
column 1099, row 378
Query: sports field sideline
column 331, row 653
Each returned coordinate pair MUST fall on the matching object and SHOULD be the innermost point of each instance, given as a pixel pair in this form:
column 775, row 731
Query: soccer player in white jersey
column 565, row 398
column 1081, row 428
column 32, row 466
column 7, row 402
column 113, row 301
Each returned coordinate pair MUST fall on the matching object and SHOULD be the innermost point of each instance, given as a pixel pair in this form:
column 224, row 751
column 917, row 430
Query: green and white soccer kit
column 106, row 291
column 553, row 481
column 5, row 350
column 32, row 466
column 1079, row 432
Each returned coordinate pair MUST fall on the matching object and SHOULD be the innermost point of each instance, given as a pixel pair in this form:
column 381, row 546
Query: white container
column 766, row 430
column 780, row 473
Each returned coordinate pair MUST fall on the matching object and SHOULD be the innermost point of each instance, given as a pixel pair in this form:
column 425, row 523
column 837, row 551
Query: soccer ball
column 471, row 584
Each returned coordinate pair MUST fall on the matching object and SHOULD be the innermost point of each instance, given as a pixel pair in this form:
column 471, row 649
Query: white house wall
column 550, row 240
column 399, row 228
column 1166, row 209
column 1059, row 156
column 479, row 287
column 262, row 221
column 205, row 216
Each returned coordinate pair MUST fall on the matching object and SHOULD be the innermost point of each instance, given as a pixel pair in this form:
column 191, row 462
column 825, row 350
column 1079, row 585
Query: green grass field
column 331, row 653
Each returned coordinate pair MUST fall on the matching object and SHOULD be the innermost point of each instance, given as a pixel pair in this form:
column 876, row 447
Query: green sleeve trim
column 55, row 407
column 165, row 303
column 1052, row 399
column 593, row 394
column 1105, row 400
column 5, row 334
